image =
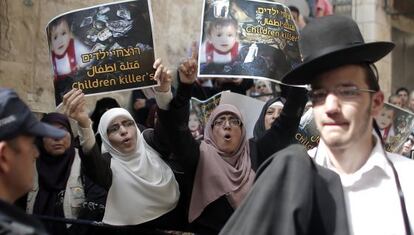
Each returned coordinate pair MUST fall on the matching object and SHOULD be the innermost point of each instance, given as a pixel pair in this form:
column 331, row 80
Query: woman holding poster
column 142, row 188
column 220, row 169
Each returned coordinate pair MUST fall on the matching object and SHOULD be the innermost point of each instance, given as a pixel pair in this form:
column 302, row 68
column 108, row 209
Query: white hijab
column 143, row 185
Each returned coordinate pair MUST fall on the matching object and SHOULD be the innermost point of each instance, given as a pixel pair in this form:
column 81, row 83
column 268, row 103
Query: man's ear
column 377, row 103
column 4, row 158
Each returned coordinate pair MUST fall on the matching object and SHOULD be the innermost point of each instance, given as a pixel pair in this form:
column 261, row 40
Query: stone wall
column 24, row 58
column 25, row 65
column 375, row 25
column 403, row 54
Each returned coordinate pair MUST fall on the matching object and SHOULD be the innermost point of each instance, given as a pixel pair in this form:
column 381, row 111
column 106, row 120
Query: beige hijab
column 217, row 175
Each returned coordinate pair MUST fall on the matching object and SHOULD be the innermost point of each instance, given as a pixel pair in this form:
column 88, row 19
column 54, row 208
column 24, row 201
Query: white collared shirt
column 371, row 196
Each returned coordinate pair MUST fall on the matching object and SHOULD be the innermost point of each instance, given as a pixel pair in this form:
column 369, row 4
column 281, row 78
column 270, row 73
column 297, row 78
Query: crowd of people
column 140, row 170
column 403, row 98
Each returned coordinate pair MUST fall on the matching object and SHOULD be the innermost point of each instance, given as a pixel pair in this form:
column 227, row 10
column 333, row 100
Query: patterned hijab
column 217, row 175
column 143, row 185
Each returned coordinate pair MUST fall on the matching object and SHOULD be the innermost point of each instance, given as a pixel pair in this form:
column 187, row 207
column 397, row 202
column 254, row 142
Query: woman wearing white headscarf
column 141, row 186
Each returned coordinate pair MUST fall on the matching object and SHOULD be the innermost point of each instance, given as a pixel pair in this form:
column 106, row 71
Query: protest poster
column 200, row 112
column 248, row 106
column 247, row 39
column 264, row 90
column 103, row 48
column 307, row 133
column 395, row 125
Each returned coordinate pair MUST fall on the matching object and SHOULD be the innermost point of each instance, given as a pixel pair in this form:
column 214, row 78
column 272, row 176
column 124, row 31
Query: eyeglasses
column 346, row 93
column 232, row 122
column 116, row 127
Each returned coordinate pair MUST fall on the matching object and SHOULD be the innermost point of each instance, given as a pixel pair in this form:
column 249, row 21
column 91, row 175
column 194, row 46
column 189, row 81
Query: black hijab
column 259, row 127
column 101, row 107
column 53, row 174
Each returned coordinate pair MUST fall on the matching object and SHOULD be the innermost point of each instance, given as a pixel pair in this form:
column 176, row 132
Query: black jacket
column 292, row 196
column 13, row 221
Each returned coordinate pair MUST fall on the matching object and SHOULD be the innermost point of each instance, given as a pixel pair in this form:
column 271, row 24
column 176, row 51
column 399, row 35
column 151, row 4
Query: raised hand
column 188, row 68
column 74, row 107
column 163, row 75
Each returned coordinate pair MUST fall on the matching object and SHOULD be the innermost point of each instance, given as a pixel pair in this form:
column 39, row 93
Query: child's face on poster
column 223, row 38
column 193, row 122
column 385, row 118
column 60, row 38
column 262, row 87
column 396, row 101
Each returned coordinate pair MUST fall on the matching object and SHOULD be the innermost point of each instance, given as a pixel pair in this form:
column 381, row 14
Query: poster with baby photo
column 247, row 39
column 395, row 125
column 200, row 112
column 103, row 48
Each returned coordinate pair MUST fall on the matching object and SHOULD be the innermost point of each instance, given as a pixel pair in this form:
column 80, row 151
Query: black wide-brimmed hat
column 329, row 42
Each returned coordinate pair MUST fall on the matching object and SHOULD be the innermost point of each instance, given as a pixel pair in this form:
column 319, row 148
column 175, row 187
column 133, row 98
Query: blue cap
column 17, row 119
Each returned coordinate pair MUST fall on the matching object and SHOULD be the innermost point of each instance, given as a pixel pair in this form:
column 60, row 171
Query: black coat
column 14, row 221
column 292, row 196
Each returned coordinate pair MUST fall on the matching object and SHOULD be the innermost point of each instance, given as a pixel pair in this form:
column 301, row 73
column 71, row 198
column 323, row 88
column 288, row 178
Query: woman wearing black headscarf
column 277, row 124
column 61, row 189
column 101, row 107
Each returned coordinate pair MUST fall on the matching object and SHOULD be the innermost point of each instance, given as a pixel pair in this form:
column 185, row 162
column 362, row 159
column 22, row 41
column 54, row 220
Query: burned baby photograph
column 102, row 48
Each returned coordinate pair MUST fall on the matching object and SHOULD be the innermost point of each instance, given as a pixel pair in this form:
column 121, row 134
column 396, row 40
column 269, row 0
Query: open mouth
column 227, row 137
column 126, row 141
